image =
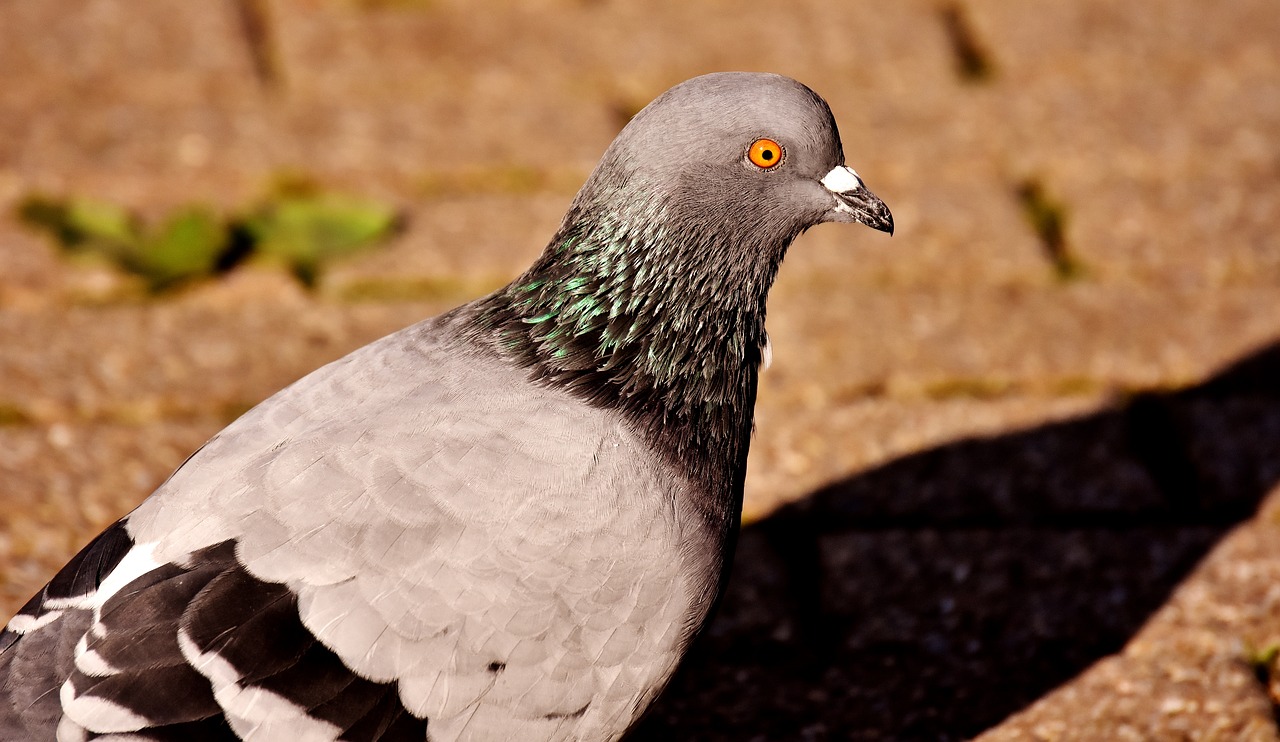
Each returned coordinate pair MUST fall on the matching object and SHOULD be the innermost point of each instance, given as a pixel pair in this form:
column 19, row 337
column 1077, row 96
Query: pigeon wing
column 415, row 535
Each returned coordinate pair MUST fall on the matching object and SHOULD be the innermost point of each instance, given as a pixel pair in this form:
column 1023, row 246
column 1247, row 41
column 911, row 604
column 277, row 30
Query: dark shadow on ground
column 930, row 598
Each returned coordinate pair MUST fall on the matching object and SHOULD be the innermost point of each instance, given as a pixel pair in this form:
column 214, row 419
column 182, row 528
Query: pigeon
column 506, row 522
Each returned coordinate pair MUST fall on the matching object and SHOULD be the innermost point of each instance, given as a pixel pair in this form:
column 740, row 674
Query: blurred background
column 1016, row 469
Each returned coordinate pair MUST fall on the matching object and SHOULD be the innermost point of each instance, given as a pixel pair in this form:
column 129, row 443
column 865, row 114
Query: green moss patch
column 301, row 229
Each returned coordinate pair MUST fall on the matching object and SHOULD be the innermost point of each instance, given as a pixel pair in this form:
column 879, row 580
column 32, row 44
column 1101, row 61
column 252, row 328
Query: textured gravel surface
column 1013, row 478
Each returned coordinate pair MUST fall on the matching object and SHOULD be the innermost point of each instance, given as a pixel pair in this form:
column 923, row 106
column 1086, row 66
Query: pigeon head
column 756, row 158
column 651, row 296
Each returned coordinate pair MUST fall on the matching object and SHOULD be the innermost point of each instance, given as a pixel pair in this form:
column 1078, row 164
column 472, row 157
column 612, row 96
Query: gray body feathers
column 518, row 563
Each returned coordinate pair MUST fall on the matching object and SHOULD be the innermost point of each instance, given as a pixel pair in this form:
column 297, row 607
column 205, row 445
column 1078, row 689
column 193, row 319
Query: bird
column 505, row 522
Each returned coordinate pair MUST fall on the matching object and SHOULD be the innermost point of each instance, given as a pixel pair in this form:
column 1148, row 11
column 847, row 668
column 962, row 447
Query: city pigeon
column 507, row 522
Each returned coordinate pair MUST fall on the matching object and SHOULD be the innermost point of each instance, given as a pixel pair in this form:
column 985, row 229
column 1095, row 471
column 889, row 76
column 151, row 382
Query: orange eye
column 765, row 153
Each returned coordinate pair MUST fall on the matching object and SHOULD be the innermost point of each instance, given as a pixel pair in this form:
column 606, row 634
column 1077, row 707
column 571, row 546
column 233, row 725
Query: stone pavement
column 1016, row 468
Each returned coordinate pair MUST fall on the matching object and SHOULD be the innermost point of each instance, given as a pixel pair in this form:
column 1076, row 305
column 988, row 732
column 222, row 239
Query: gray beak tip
column 886, row 223
column 865, row 207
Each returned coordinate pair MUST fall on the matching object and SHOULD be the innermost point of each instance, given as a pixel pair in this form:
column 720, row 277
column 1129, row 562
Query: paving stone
column 461, row 246
column 799, row 449
column 1150, row 126
column 201, row 353
column 1187, row 674
column 62, row 483
column 1075, row 337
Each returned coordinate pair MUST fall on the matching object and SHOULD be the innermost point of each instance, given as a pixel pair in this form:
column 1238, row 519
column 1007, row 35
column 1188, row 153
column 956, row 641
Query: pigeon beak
column 854, row 203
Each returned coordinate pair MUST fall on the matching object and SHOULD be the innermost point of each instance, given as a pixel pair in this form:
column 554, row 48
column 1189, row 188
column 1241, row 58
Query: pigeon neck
column 664, row 323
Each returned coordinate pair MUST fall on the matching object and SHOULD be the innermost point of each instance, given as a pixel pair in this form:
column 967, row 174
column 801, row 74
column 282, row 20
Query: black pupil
column 766, row 155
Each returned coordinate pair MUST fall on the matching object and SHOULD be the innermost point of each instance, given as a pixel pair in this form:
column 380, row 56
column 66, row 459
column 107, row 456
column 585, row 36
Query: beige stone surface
column 66, row 481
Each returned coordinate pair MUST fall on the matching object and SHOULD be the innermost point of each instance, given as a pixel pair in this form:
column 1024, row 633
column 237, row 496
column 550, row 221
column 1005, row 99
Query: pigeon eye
column 765, row 153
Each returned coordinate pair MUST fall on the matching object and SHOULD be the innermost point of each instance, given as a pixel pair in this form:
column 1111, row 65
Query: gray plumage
column 504, row 523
